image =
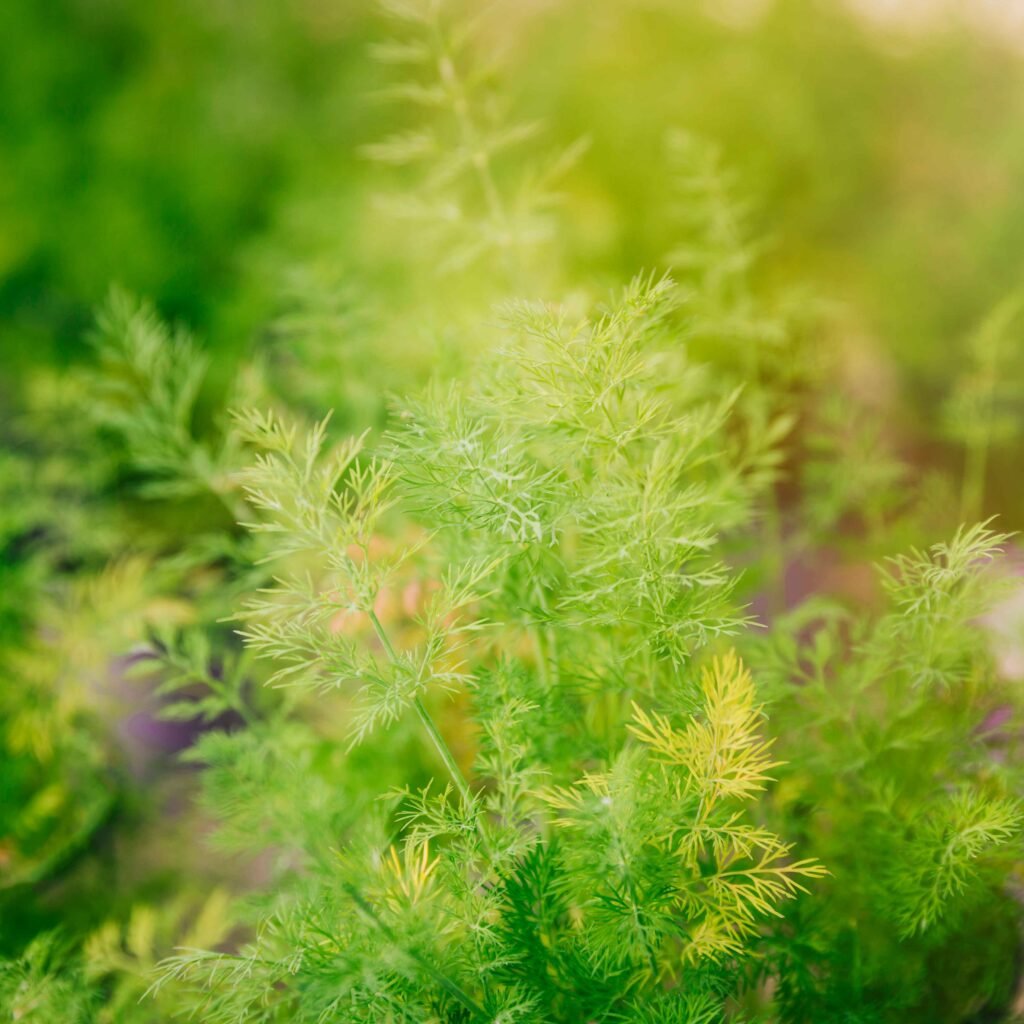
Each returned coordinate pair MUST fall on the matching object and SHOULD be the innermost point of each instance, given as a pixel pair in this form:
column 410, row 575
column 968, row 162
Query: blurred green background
column 191, row 151
column 197, row 152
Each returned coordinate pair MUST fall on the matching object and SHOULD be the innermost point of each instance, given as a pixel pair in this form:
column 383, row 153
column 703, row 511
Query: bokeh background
column 193, row 152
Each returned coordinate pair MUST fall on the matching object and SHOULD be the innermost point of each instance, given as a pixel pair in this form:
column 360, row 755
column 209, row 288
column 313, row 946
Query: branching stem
column 430, row 726
column 452, row 988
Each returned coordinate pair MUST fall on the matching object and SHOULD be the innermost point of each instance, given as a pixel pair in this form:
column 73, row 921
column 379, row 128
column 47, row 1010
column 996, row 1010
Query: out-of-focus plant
column 472, row 202
column 986, row 408
column 908, row 786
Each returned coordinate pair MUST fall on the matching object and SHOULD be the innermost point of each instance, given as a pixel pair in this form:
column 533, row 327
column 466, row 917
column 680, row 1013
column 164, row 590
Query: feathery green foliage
column 548, row 680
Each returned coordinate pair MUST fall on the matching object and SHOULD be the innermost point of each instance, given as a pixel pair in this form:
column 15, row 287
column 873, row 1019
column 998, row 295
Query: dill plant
column 906, row 787
column 595, row 856
column 492, row 710
column 594, row 853
column 473, row 201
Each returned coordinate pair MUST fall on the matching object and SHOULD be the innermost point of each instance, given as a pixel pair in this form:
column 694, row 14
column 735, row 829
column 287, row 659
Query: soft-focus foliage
column 569, row 573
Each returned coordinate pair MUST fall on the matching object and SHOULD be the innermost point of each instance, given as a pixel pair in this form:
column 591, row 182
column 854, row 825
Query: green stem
column 237, row 701
column 428, row 722
column 467, row 796
column 443, row 749
column 473, row 143
column 972, row 493
column 545, row 639
column 382, row 636
column 453, row 989
column 980, row 437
